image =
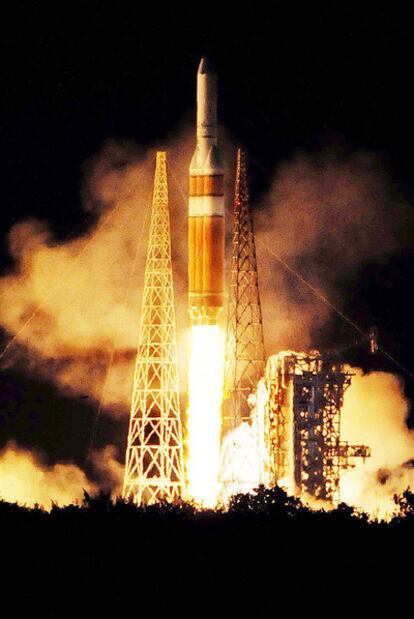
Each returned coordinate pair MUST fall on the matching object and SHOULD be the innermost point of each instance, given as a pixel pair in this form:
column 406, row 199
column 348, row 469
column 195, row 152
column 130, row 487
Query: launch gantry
column 302, row 424
column 245, row 357
column 154, row 468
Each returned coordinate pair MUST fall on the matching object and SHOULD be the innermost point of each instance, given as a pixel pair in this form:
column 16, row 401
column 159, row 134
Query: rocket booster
column 206, row 208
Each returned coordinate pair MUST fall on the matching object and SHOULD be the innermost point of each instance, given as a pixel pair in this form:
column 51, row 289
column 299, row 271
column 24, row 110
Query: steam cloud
column 74, row 306
column 374, row 413
column 326, row 215
column 24, row 479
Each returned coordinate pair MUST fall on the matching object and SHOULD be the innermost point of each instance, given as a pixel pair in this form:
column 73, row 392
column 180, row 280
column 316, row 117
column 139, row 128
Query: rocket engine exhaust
column 205, row 297
column 206, row 208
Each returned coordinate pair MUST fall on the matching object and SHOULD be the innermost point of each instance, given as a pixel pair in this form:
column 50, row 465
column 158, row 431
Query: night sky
column 290, row 79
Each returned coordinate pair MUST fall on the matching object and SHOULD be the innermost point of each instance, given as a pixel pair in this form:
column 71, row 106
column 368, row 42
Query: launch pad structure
column 303, row 424
column 297, row 432
column 302, row 417
column 245, row 356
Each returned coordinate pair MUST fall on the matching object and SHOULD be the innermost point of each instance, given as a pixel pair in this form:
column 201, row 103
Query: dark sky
column 290, row 78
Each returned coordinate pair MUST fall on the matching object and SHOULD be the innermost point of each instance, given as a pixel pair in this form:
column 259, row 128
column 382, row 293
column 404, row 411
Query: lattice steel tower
column 303, row 424
column 154, row 458
column 244, row 362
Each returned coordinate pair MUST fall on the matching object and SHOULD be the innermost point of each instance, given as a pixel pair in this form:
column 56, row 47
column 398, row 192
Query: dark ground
column 266, row 554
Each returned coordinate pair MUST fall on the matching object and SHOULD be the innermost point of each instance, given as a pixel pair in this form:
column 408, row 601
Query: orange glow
column 205, row 385
column 25, row 480
column 375, row 411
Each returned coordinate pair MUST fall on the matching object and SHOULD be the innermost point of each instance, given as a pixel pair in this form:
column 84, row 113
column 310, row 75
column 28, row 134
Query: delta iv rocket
column 206, row 208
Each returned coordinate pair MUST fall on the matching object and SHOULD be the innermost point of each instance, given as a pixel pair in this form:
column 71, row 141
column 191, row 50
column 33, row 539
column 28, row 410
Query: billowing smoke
column 26, row 480
column 326, row 215
column 374, row 413
column 109, row 473
column 74, row 306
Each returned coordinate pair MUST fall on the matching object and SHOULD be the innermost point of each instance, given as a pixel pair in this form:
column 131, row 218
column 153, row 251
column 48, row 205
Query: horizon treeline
column 108, row 557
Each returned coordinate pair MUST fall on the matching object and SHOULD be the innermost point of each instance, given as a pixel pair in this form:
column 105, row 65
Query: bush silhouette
column 108, row 556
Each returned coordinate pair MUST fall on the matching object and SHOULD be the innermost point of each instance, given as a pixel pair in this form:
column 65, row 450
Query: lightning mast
column 154, row 467
column 244, row 361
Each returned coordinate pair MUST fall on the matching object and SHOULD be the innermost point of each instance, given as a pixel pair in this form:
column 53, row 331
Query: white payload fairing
column 206, row 208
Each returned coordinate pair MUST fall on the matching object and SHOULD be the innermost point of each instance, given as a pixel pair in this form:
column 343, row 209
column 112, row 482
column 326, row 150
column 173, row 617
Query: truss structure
column 303, row 424
column 244, row 360
column 154, row 468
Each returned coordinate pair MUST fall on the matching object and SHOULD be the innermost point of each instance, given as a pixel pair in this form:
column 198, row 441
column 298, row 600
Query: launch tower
column 303, row 424
column 154, row 467
column 245, row 360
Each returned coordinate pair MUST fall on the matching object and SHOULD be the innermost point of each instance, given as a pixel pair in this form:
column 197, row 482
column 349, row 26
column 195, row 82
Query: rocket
column 206, row 208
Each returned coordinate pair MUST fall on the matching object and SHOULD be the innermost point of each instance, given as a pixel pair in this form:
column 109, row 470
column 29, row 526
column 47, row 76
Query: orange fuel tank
column 206, row 208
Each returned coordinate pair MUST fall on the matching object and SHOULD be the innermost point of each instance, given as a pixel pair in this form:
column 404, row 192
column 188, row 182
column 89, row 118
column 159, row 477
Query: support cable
column 325, row 300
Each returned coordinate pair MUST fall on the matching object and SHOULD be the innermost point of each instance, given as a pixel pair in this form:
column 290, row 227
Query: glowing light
column 244, row 457
column 205, row 386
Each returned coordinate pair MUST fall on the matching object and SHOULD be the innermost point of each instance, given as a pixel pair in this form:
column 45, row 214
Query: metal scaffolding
column 154, row 458
column 303, row 424
column 244, row 361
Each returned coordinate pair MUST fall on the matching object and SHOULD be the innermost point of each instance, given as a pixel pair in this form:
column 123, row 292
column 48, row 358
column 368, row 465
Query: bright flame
column 205, row 387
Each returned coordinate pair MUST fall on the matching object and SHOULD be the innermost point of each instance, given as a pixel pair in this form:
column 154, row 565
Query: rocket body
column 206, row 208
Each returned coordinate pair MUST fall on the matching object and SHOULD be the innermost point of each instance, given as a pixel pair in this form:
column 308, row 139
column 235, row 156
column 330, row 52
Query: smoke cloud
column 374, row 413
column 24, row 479
column 74, row 306
column 326, row 215
column 108, row 470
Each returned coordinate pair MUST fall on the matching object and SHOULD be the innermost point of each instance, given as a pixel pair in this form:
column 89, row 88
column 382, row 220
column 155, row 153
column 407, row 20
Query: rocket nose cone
column 206, row 66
